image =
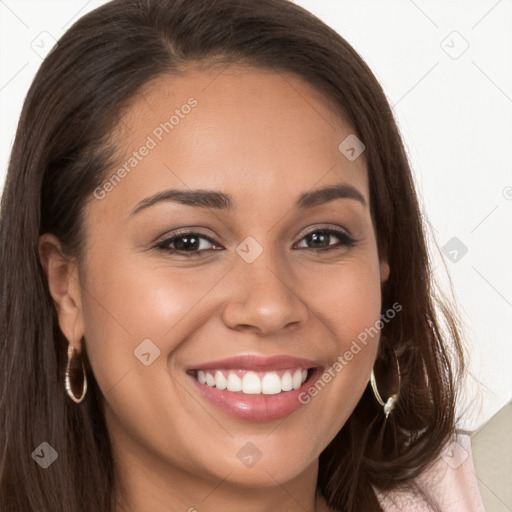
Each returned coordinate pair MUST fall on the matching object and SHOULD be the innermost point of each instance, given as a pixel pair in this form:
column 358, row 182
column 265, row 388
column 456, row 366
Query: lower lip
column 256, row 407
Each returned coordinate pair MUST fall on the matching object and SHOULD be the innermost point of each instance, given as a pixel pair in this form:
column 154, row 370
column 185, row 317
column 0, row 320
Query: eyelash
column 345, row 241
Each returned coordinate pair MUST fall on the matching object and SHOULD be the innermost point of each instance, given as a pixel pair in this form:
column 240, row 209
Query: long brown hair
column 62, row 152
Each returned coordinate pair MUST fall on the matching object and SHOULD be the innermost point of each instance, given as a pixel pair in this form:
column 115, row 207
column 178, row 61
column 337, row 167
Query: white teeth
column 286, row 382
column 220, row 380
column 271, row 384
column 296, row 379
column 251, row 383
column 234, row 382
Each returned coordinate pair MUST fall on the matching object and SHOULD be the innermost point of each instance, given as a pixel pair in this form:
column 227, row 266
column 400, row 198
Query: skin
column 265, row 138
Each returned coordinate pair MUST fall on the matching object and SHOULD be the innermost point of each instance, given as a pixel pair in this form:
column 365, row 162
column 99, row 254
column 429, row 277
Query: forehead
column 250, row 132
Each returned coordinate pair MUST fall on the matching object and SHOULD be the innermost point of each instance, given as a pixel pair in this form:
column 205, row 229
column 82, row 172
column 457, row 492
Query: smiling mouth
column 255, row 388
column 249, row 382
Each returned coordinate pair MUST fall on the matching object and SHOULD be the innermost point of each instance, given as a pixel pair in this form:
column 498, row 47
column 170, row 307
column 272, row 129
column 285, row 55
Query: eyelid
column 321, row 227
column 183, row 231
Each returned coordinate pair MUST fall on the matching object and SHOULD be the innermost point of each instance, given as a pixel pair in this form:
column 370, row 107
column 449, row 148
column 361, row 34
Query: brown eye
column 320, row 238
column 187, row 242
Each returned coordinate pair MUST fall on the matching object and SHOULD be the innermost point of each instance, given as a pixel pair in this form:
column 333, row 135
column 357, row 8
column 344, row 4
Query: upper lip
column 257, row 363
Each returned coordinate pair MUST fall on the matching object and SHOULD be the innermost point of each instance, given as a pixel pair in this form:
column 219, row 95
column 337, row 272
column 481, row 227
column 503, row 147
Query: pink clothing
column 450, row 482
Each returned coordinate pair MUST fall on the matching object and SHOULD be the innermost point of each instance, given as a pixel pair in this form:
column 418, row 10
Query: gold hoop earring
column 75, row 372
column 391, row 401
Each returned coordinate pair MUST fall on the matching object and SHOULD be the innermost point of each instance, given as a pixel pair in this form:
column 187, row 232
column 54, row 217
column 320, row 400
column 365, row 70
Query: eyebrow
column 220, row 200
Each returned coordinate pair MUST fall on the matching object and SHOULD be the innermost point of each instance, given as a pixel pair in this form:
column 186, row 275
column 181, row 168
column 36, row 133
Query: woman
column 216, row 290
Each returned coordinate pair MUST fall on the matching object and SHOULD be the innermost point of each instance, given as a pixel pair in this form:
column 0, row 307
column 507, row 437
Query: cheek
column 347, row 297
column 131, row 301
column 128, row 300
column 348, row 303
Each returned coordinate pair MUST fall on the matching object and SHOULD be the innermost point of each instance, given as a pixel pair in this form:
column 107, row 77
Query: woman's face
column 252, row 294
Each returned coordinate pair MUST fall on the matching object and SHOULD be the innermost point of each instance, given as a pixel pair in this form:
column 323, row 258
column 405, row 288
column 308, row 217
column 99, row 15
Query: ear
column 384, row 270
column 64, row 285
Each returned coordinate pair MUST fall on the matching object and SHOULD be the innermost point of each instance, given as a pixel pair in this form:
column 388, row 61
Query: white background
column 454, row 110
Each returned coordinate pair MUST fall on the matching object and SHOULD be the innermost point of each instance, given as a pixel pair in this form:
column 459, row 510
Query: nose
column 264, row 297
